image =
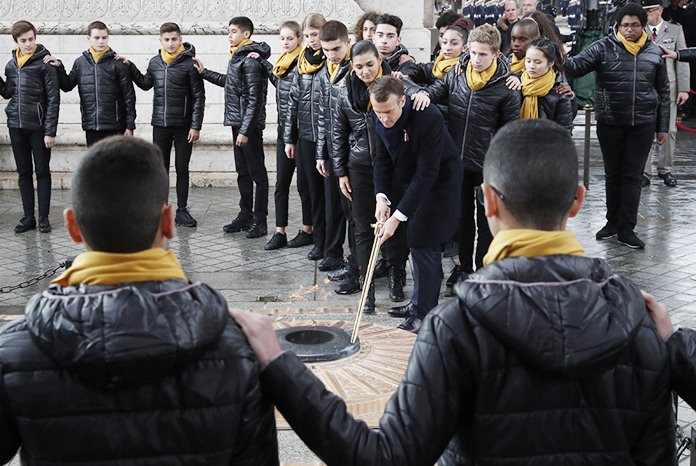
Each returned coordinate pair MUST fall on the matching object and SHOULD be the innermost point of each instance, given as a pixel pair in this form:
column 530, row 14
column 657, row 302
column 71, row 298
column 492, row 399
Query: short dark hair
column 22, row 27
column 243, row 23
column 370, row 16
column 362, row 47
column 528, row 23
column 170, row 27
column 447, row 19
column 534, row 164
column 333, row 30
column 632, row 9
column 549, row 49
column 386, row 18
column 96, row 25
column 385, row 87
column 118, row 192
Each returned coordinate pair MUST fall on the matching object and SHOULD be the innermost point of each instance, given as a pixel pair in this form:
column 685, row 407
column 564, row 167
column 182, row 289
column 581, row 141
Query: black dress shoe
column 25, row 224
column 411, row 324
column 315, row 254
column 339, row 274
column 237, row 225
column 330, row 263
column 183, row 217
column 669, row 179
column 302, row 239
column 257, row 230
column 397, row 277
column 277, row 241
column 645, row 181
column 350, row 285
column 630, row 239
column 44, row 225
column 401, row 311
column 381, row 269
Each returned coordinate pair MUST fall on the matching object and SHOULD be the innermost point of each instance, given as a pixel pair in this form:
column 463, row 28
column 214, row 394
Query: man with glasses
column 632, row 102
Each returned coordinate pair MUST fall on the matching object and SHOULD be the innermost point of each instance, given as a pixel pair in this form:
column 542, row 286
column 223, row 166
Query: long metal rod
column 374, row 254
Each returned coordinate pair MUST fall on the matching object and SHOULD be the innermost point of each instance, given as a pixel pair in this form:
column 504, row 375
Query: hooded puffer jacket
column 329, row 96
column 304, row 107
column 245, row 86
column 473, row 117
column 558, row 107
column 395, row 58
column 107, row 97
column 34, row 93
column 179, row 94
column 147, row 373
column 538, row 361
column 630, row 90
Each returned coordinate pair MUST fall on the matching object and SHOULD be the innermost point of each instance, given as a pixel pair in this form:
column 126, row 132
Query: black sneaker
column 631, row 240
column 257, row 230
column 25, row 224
column 669, row 179
column 44, row 225
column 330, row 263
column 277, row 241
column 607, row 231
column 350, row 285
column 340, row 274
column 238, row 224
column 315, row 254
column 645, row 181
column 302, row 239
column 183, row 218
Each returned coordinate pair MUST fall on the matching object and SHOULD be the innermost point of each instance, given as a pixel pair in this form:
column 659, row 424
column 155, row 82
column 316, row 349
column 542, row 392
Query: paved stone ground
column 282, row 282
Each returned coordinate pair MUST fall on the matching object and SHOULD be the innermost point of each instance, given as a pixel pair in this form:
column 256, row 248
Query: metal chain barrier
column 34, row 280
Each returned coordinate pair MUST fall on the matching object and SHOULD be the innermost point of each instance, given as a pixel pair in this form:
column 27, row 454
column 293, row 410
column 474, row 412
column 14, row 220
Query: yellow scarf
column 333, row 68
column 97, row 55
column 284, row 62
column 305, row 67
column 633, row 47
column 442, row 65
column 241, row 44
column 517, row 64
column 476, row 80
column 532, row 243
column 104, row 268
column 23, row 59
column 532, row 89
column 169, row 57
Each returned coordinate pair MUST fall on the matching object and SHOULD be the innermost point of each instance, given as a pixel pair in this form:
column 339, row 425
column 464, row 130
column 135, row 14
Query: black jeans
column 624, row 150
column 163, row 138
column 94, row 137
column 251, row 170
column 285, row 168
column 25, row 144
column 307, row 168
column 363, row 212
column 427, row 279
column 336, row 214
column 473, row 222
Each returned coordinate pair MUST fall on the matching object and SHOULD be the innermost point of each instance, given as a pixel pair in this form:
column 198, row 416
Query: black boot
column 397, row 278
column 370, row 300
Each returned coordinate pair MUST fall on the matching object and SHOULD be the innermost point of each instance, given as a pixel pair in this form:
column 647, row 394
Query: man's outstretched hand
column 259, row 331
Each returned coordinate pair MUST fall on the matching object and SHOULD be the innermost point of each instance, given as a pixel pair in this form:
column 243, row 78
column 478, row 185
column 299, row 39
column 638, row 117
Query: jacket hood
column 393, row 60
column 501, row 72
column 574, row 318
column 124, row 335
column 39, row 53
column 261, row 48
column 189, row 52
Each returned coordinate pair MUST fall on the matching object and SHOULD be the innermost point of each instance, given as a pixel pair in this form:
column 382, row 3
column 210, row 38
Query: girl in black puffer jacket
column 540, row 98
column 32, row 117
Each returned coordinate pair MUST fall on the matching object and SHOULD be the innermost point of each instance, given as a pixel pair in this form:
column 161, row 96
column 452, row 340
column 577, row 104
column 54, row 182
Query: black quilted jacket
column 245, row 86
column 179, row 94
column 564, row 368
column 107, row 97
column 304, row 107
column 282, row 85
column 150, row 373
column 34, row 93
column 473, row 117
column 329, row 97
column 630, row 90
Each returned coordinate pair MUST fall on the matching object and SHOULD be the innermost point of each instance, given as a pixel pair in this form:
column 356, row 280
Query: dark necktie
column 654, row 34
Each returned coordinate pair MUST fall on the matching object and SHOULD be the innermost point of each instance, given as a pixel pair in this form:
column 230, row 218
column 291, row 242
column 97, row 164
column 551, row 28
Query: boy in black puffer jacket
column 245, row 86
column 123, row 360
column 32, row 116
column 107, row 97
column 546, row 357
column 177, row 108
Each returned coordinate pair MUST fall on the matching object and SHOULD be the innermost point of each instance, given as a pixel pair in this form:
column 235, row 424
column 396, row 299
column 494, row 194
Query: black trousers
column 363, row 212
column 26, row 145
column 285, row 168
column 336, row 206
column 251, row 170
column 395, row 251
column 427, row 278
column 163, row 138
column 94, row 137
column 307, row 168
column 473, row 222
column 624, row 150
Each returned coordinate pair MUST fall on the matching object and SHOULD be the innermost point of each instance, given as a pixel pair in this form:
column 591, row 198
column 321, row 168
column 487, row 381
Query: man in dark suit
column 416, row 170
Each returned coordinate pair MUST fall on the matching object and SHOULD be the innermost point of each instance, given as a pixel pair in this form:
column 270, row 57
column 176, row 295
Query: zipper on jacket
column 96, row 95
column 633, row 113
column 166, row 67
column 311, row 108
column 466, row 125
column 19, row 94
column 367, row 133
column 39, row 112
column 117, row 118
column 185, row 105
